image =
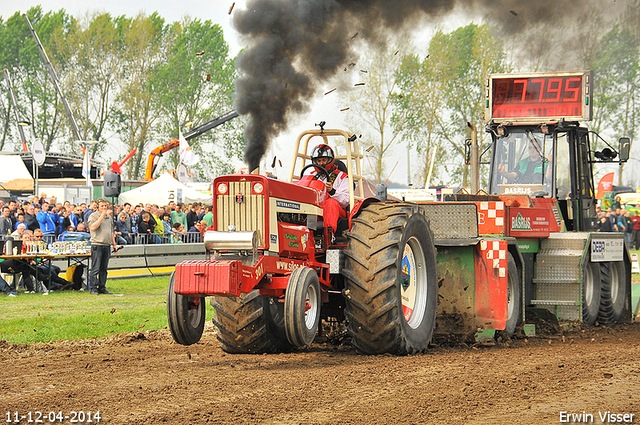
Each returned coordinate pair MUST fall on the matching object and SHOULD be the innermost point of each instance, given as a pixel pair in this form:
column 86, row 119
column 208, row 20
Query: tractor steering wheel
column 320, row 169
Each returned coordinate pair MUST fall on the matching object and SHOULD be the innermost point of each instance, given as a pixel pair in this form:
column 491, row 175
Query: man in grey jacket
column 102, row 238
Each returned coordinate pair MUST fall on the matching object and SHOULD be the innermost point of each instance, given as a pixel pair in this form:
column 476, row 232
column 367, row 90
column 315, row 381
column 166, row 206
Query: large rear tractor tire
column 186, row 315
column 591, row 292
column 302, row 306
column 514, row 300
column 614, row 292
column 391, row 287
column 250, row 324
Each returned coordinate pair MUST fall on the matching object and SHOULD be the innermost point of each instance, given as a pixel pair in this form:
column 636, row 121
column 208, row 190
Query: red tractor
column 275, row 270
column 528, row 244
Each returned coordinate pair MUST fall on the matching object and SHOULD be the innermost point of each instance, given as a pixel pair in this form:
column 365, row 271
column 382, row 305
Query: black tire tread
column 610, row 313
column 245, row 326
column 373, row 316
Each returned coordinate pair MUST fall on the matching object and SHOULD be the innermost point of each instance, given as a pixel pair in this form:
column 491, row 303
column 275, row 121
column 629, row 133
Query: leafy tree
column 133, row 115
column 195, row 84
column 370, row 102
column 94, row 63
column 616, row 84
column 445, row 92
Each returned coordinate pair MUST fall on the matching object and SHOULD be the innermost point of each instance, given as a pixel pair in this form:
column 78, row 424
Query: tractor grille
column 241, row 209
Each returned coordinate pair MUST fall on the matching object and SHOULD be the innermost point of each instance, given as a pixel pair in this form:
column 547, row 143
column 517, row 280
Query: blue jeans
column 100, row 255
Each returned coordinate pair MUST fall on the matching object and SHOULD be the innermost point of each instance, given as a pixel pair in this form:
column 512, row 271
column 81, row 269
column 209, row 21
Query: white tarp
column 163, row 190
column 12, row 167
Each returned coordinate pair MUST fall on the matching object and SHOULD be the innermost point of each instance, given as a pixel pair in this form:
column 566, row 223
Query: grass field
column 139, row 305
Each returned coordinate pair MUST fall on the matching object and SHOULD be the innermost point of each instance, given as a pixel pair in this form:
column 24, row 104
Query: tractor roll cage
column 352, row 157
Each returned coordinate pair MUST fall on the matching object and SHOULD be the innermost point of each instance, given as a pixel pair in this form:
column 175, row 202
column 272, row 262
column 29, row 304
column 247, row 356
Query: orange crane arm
column 151, row 161
column 148, row 174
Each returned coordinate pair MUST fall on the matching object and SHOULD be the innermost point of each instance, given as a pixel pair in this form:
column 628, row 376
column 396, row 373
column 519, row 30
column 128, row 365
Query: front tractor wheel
column 391, row 285
column 302, row 306
column 185, row 315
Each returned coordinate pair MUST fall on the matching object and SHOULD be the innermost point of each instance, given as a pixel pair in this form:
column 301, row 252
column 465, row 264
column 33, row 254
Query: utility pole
column 12, row 96
column 408, row 166
column 72, row 120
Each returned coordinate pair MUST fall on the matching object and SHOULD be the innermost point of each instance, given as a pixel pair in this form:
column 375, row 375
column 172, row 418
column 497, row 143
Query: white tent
column 12, row 167
column 161, row 191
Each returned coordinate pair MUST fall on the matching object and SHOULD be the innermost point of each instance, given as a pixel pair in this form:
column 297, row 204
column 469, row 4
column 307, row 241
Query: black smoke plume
column 296, row 45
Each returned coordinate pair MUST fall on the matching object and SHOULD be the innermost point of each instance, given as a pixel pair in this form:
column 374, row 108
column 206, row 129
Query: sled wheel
column 185, row 315
column 514, row 300
column 591, row 292
column 614, row 292
column 250, row 324
column 391, row 284
column 302, row 306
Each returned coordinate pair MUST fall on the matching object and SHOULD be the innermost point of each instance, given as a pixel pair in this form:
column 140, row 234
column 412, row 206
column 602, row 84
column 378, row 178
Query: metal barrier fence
column 131, row 239
column 147, row 259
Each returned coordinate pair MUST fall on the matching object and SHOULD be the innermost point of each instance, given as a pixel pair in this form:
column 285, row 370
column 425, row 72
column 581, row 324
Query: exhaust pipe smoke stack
column 296, row 46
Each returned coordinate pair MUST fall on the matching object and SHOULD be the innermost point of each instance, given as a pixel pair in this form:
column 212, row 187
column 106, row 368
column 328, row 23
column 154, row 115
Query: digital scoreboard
column 539, row 97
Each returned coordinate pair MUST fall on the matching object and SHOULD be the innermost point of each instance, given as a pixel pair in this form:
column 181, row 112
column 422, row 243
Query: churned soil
column 146, row 378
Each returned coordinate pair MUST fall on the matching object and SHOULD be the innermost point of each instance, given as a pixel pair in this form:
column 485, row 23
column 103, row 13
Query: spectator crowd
column 133, row 224
column 42, row 219
column 618, row 219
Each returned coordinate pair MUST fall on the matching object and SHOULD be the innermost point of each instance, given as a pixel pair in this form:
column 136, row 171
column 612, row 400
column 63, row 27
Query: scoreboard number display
column 539, row 97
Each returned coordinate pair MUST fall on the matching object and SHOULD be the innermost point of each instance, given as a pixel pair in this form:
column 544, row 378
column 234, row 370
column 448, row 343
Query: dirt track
column 146, row 378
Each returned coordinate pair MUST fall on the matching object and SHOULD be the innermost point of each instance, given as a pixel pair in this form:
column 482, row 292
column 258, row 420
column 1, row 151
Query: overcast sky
column 323, row 108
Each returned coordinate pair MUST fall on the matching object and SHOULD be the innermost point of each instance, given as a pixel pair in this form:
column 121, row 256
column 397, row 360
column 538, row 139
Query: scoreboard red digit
column 539, row 97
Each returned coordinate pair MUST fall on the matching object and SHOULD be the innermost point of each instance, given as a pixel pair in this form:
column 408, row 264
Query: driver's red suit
column 335, row 205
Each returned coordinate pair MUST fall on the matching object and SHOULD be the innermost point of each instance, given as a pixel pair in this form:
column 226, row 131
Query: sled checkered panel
column 491, row 217
column 496, row 254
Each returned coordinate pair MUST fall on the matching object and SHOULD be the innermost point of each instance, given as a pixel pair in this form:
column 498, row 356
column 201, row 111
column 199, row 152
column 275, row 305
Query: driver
column 529, row 169
column 334, row 206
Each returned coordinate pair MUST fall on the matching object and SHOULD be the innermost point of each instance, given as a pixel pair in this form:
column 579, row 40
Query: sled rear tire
column 514, row 303
column 614, row 292
column 591, row 292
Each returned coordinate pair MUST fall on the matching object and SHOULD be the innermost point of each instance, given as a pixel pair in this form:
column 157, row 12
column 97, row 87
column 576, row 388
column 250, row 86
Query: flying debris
column 362, row 70
column 267, row 25
column 359, row 84
column 200, row 53
column 352, row 64
column 513, row 13
column 208, row 77
column 231, row 8
column 397, row 51
column 330, row 91
column 344, row 109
